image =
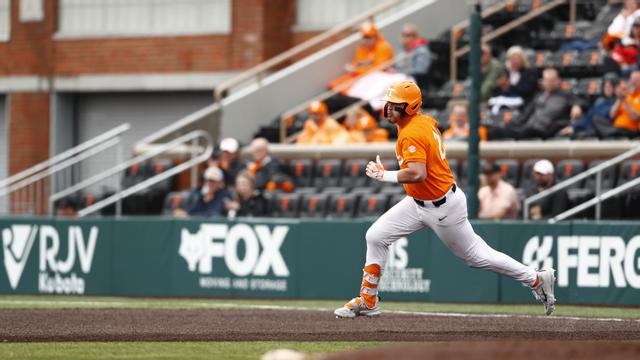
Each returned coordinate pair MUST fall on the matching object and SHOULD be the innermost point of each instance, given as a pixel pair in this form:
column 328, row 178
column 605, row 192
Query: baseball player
column 433, row 200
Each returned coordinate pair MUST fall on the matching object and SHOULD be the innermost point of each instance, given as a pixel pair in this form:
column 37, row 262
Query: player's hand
column 375, row 170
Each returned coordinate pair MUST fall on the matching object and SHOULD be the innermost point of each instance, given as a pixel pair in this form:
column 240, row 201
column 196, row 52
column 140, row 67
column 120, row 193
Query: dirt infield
column 295, row 325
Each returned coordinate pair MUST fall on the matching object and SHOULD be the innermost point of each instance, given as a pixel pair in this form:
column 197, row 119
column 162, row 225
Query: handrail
column 66, row 154
column 204, row 156
column 257, row 70
column 126, row 164
column 496, row 33
column 176, row 125
column 572, row 180
column 596, row 200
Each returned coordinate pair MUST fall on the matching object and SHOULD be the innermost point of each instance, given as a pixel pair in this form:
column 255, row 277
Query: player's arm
column 414, row 173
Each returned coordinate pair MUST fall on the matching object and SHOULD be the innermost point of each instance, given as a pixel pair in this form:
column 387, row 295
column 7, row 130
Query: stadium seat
column 313, row 205
column 392, row 190
column 353, row 173
column 567, row 168
column 463, row 180
column 569, row 85
column 301, row 170
column 608, row 176
column 591, row 63
column 135, row 174
column 566, row 62
column 510, row 170
column 372, row 205
column 286, row 205
column 590, row 88
column 394, row 199
column 327, row 173
column 540, row 59
column 629, row 170
column 342, row 206
column 176, row 200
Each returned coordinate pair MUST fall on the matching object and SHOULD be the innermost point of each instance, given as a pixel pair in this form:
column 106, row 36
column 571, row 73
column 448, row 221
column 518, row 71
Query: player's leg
column 458, row 235
column 401, row 220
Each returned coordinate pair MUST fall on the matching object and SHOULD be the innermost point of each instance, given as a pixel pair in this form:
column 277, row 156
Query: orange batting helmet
column 405, row 92
column 318, row 107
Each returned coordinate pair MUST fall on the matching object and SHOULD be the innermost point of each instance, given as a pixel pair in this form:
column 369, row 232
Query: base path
column 294, row 325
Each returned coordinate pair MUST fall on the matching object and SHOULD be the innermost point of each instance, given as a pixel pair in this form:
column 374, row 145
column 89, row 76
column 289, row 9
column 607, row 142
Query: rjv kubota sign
column 214, row 252
column 57, row 269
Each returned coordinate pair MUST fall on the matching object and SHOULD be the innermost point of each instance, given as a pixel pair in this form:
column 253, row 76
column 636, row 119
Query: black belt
column 439, row 202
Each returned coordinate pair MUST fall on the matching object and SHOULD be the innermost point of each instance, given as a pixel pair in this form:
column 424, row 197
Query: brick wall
column 28, row 129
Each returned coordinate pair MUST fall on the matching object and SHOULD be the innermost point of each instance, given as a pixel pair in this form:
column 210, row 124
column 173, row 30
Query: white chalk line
column 188, row 304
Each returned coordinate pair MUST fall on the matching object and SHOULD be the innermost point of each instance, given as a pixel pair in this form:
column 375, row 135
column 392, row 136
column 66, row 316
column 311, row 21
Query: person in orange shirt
column 320, row 128
column 625, row 112
column 362, row 127
column 459, row 125
column 433, row 200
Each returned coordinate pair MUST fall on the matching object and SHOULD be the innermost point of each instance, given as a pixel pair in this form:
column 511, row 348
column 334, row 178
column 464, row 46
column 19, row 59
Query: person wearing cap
column 497, row 199
column 212, row 198
column 544, row 178
column 67, row 208
column 228, row 160
column 320, row 128
column 582, row 124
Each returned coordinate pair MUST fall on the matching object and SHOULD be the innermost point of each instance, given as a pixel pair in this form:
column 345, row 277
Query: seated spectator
column 212, row 199
column 491, row 70
column 544, row 117
column 320, row 128
column 552, row 205
column 598, row 27
column 362, row 127
column 247, row 201
column 625, row 53
column 582, row 124
column 518, row 85
column 417, row 55
column 625, row 111
column 228, row 160
column 497, row 199
column 372, row 51
column 67, row 208
column 266, row 171
column 459, row 125
column 621, row 25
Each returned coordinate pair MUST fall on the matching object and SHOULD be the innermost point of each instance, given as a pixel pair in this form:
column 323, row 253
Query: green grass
column 91, row 302
column 168, row 350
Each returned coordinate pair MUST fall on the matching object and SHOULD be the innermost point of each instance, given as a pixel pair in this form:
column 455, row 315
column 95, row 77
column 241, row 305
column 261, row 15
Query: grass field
column 235, row 350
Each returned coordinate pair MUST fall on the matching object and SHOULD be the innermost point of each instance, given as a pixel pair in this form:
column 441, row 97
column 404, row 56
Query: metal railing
column 27, row 191
column 200, row 153
column 599, row 197
column 496, row 33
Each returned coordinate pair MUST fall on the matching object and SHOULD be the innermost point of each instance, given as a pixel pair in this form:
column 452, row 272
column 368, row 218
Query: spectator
column 67, row 208
column 497, row 199
column 625, row 111
column 247, row 200
column 228, row 160
column 544, row 117
column 552, row 205
column 266, row 171
column 518, row 85
column 625, row 52
column 459, row 125
column 582, row 124
column 362, row 127
column 492, row 70
column 621, row 25
column 417, row 55
column 212, row 199
column 372, row 52
column 320, row 128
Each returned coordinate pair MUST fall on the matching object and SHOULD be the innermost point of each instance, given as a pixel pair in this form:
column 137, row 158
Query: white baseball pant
column 450, row 222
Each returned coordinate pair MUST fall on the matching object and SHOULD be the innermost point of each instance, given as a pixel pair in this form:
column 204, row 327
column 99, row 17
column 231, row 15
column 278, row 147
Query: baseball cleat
column 356, row 307
column 544, row 290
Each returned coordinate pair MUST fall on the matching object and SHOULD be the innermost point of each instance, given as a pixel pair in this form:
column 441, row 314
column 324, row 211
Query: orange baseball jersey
column 420, row 141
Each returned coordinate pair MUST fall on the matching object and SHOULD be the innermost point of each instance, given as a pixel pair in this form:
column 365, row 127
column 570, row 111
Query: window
column 5, row 20
column 319, row 14
column 143, row 17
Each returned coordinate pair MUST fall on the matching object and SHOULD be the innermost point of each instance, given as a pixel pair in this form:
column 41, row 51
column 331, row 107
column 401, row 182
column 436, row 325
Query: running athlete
column 433, row 200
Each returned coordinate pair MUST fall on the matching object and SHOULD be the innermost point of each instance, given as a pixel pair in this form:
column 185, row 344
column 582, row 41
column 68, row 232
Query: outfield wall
column 596, row 263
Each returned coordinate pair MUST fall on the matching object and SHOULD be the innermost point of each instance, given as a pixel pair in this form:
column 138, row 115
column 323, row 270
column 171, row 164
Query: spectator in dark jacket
column 228, row 160
column 552, row 205
column 582, row 124
column 266, row 171
column 212, row 198
column 418, row 55
column 518, row 85
column 548, row 113
column 247, row 200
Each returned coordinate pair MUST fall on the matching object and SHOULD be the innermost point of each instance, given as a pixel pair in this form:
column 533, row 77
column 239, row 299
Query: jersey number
column 440, row 145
